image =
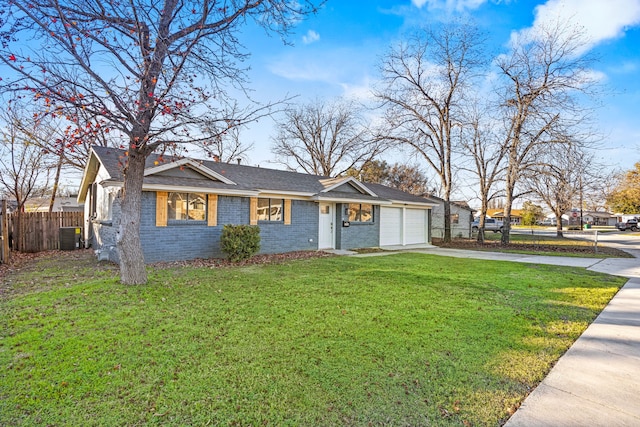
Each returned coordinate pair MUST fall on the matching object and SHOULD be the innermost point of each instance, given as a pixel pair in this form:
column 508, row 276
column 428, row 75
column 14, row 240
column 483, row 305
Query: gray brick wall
column 188, row 240
column 300, row 235
column 183, row 240
column 233, row 210
column 357, row 235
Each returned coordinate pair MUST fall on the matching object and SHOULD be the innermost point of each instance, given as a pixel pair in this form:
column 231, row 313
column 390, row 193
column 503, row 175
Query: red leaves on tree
column 12, row 57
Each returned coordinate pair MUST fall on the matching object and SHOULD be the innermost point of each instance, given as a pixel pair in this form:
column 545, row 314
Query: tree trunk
column 132, row 268
column 506, row 225
column 56, row 182
column 481, row 219
column 510, row 186
column 447, row 221
column 558, row 214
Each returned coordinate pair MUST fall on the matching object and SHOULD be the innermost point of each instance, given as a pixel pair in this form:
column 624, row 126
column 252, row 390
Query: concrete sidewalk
column 597, row 381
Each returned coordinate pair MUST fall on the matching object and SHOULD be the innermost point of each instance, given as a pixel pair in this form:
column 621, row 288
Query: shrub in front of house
column 240, row 242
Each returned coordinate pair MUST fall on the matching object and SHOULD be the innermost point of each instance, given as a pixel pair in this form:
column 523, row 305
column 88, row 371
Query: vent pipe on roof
column 238, row 160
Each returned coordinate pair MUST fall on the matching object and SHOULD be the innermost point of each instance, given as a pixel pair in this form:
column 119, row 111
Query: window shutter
column 212, row 210
column 161, row 208
column 253, row 211
column 287, row 212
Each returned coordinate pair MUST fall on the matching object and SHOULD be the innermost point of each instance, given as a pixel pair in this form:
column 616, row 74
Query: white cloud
column 449, row 5
column 310, row 37
column 361, row 91
column 627, row 67
column 301, row 70
column 601, row 20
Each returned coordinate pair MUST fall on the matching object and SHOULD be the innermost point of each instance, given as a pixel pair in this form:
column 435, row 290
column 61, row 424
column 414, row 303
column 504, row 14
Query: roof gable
column 191, row 164
column 345, row 184
column 168, row 173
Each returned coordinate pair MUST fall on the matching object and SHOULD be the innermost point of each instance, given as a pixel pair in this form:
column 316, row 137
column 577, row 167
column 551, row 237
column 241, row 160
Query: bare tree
column 24, row 168
column 424, row 85
column 487, row 157
column 149, row 72
column 602, row 183
column 542, row 74
column 325, row 138
column 52, row 136
column 227, row 147
column 558, row 180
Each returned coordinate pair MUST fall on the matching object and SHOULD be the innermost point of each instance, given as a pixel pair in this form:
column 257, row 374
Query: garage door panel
column 390, row 226
column 416, row 226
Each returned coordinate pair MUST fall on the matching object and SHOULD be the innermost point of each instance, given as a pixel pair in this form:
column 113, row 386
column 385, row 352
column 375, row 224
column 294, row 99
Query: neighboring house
column 550, row 220
column 60, row 204
column 516, row 215
column 620, row 217
column 461, row 219
column 186, row 202
column 591, row 217
column 12, row 205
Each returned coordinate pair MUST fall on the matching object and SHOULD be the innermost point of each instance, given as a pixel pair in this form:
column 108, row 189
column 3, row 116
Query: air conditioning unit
column 70, row 238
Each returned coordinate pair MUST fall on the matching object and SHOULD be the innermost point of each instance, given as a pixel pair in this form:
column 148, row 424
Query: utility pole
column 581, row 224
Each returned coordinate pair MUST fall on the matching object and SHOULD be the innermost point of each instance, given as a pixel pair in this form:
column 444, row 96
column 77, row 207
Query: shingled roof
column 241, row 179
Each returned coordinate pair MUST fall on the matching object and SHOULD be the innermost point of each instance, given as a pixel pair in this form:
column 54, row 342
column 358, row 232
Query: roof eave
column 209, row 173
column 411, row 203
column 187, row 189
column 323, row 198
column 88, row 175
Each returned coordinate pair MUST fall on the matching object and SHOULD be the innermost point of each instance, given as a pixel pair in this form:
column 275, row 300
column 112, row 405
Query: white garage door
column 390, row 226
column 416, row 226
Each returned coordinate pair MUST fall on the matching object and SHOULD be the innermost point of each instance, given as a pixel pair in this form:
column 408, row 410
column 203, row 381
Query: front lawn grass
column 406, row 339
column 538, row 244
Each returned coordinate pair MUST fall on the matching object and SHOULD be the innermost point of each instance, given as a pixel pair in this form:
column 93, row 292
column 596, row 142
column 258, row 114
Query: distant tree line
column 167, row 89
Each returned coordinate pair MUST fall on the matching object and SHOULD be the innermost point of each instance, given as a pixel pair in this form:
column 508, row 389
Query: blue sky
column 336, row 52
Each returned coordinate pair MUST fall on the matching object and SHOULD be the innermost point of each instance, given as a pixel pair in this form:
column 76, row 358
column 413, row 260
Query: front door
column 325, row 227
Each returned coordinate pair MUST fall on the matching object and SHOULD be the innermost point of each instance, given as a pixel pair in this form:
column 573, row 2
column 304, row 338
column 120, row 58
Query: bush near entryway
column 240, row 242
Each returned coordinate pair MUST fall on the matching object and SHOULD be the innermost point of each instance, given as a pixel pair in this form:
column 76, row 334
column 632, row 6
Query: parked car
column 631, row 224
column 490, row 224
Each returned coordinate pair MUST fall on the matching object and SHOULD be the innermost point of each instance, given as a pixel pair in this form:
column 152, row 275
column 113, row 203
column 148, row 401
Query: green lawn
column 407, row 339
column 537, row 244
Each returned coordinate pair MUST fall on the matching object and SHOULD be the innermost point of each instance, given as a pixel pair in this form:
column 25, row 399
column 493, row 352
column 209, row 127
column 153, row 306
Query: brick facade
column 357, row 235
column 183, row 240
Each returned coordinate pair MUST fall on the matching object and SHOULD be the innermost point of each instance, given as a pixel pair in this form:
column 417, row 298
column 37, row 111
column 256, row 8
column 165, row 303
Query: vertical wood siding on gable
column 161, row 208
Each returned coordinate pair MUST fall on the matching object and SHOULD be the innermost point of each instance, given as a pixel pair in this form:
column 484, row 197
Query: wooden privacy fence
column 40, row 231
